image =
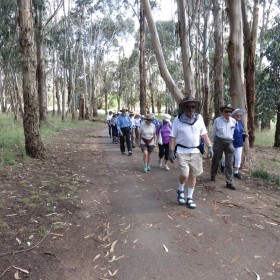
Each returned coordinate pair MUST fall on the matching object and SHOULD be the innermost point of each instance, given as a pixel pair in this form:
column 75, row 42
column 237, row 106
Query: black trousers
column 126, row 137
column 163, row 151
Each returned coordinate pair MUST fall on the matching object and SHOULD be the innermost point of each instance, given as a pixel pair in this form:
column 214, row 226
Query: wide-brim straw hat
column 124, row 109
column 228, row 106
column 238, row 110
column 187, row 100
column 149, row 117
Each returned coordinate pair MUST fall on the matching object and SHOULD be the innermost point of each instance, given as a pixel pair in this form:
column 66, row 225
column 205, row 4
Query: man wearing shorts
column 187, row 130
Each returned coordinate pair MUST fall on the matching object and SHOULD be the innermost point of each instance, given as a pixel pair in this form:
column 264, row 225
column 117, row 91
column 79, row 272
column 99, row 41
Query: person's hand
column 171, row 156
column 210, row 152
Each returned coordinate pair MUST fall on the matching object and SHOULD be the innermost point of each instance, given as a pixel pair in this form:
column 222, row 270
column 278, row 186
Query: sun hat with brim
column 228, row 106
column 187, row 100
column 166, row 117
column 238, row 110
column 149, row 117
column 124, row 109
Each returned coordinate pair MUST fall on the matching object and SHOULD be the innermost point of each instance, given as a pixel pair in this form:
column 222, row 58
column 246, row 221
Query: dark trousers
column 163, row 151
column 115, row 133
column 126, row 137
column 219, row 148
column 110, row 129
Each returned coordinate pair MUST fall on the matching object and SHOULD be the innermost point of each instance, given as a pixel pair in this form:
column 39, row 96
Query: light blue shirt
column 123, row 121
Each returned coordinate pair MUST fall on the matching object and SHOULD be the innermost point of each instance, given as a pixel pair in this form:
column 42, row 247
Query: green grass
column 12, row 146
column 265, row 138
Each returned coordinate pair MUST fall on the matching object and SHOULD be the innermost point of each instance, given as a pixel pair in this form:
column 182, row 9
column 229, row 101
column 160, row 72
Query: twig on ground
column 5, row 271
column 29, row 249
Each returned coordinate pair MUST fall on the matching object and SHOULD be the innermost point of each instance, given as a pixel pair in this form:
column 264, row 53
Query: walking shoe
column 149, row 168
column 130, row 153
column 167, row 168
column 181, row 197
column 213, row 178
column 190, row 203
column 123, row 153
column 159, row 162
column 145, row 168
column 237, row 175
column 230, row 186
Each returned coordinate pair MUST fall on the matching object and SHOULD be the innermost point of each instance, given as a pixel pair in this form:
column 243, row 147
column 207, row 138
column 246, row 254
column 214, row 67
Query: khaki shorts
column 190, row 164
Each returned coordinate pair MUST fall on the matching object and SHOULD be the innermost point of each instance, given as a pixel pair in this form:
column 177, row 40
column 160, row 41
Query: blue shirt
column 238, row 135
column 123, row 121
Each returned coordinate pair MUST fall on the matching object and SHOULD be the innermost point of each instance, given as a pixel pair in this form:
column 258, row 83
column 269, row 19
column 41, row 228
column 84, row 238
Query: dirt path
column 129, row 226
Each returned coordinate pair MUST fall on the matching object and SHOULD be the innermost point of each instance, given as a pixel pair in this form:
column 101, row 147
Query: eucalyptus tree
column 33, row 142
column 218, row 57
column 250, row 40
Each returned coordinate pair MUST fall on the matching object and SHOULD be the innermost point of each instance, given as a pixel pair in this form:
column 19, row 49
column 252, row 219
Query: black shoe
column 213, row 178
column 190, row 203
column 231, row 186
column 123, row 153
column 130, row 153
column 133, row 146
column 237, row 175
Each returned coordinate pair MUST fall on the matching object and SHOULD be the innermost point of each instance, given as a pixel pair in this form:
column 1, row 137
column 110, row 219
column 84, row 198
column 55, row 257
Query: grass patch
column 265, row 175
column 265, row 138
column 12, row 142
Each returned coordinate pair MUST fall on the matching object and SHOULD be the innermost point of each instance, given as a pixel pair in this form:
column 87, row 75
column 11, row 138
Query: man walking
column 187, row 130
column 124, row 129
column 222, row 137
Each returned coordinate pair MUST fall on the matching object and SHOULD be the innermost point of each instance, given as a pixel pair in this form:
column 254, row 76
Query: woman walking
column 163, row 135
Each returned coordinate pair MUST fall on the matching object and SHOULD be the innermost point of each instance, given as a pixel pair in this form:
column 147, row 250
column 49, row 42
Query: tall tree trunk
column 184, row 34
column 142, row 64
column 170, row 84
column 206, row 80
column 236, row 58
column 33, row 142
column 250, row 40
column 41, row 75
column 277, row 132
column 218, row 96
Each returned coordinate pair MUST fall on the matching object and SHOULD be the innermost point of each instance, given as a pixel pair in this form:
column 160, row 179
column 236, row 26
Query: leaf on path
column 135, row 241
column 113, row 246
column 274, row 224
column 127, row 227
column 114, row 273
column 21, row 269
column 257, row 275
column 113, row 258
column 96, row 201
column 96, row 257
column 119, row 258
column 171, row 218
column 235, row 258
column 106, row 254
column 259, row 226
column 169, row 190
column 257, row 257
column 88, row 236
column 165, row 248
column 18, row 241
column 16, row 275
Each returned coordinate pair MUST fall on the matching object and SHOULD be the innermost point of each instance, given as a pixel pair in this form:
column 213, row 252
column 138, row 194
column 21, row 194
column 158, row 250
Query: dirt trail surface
column 125, row 224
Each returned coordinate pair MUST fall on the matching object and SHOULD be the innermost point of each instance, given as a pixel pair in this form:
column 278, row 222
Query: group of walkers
column 182, row 140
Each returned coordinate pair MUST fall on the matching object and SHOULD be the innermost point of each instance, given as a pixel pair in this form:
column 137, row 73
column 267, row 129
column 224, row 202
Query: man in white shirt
column 222, row 137
column 187, row 130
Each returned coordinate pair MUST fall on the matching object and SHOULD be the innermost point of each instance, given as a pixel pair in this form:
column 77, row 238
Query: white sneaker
column 167, row 168
column 159, row 162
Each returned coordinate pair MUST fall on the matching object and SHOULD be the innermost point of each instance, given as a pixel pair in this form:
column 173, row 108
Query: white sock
column 190, row 192
column 181, row 187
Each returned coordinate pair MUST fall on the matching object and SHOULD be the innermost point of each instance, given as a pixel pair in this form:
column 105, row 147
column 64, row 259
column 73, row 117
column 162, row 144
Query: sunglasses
column 227, row 112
